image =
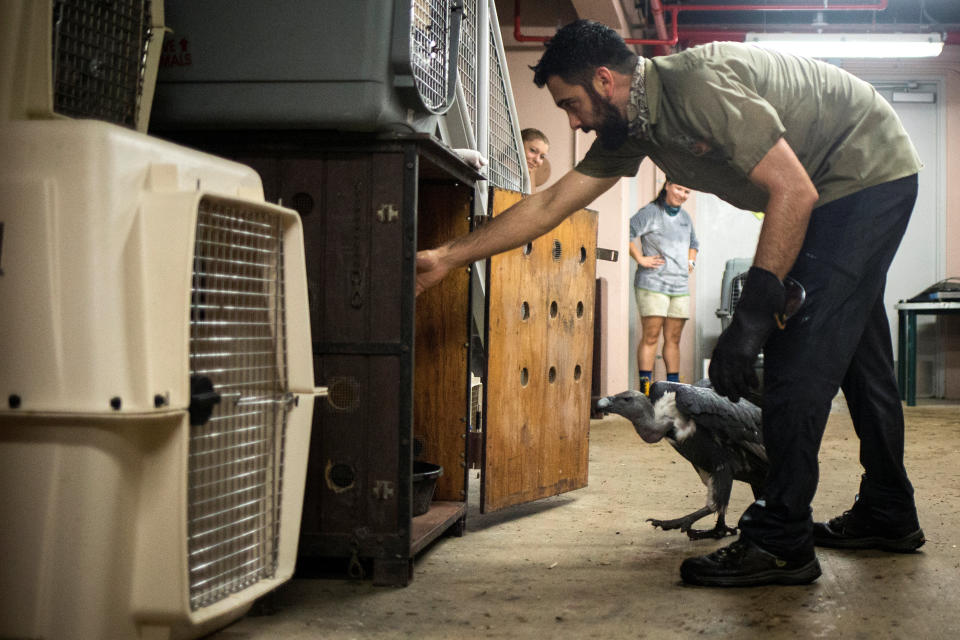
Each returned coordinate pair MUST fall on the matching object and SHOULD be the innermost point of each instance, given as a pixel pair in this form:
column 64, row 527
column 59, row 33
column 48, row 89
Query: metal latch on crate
column 610, row 255
column 288, row 400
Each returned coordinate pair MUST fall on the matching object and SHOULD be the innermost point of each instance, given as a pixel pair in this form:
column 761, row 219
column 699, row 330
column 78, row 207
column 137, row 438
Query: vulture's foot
column 719, row 531
column 677, row 523
column 683, row 523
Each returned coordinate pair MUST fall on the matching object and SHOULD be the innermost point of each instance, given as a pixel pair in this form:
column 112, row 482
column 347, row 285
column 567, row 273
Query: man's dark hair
column 577, row 49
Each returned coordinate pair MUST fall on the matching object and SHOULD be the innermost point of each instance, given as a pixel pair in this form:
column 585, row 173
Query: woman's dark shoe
column 744, row 564
column 849, row 532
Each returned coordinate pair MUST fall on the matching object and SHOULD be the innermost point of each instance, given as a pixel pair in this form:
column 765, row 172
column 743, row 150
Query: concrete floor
column 586, row 564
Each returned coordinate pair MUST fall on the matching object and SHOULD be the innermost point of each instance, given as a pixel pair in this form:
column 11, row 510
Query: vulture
column 721, row 439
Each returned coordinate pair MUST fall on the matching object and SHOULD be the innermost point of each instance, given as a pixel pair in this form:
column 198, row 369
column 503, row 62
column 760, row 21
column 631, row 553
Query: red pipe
column 675, row 9
column 672, row 40
column 519, row 37
column 657, row 10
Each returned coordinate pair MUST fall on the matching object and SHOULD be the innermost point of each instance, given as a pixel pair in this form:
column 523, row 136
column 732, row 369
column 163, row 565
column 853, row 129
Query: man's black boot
column 744, row 564
column 851, row 532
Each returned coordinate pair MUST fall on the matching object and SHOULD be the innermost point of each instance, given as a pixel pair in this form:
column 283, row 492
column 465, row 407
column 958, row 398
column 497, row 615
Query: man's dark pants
column 839, row 339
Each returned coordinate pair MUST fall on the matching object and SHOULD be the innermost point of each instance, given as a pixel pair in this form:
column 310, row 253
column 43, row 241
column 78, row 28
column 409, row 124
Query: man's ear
column 603, row 82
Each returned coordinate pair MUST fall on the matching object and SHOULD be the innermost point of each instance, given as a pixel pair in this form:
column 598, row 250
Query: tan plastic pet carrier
column 157, row 385
column 80, row 59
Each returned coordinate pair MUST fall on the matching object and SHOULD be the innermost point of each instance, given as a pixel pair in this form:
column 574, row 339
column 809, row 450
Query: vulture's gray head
column 637, row 408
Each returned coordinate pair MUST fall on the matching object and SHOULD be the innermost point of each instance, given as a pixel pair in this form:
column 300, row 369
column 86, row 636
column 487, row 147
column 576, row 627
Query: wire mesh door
column 503, row 147
column 434, row 37
column 99, row 58
column 468, row 62
column 237, row 341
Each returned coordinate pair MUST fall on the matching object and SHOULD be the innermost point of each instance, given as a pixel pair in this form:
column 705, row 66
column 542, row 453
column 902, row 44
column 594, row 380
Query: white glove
column 472, row 158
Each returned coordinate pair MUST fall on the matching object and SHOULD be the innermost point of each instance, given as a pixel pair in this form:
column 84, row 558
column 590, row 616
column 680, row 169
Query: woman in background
column 666, row 256
column 535, row 147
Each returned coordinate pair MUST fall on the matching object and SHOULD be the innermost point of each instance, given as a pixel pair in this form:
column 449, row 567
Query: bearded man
column 828, row 161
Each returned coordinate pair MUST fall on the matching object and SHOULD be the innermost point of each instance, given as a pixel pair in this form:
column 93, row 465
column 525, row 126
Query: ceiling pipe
column 674, row 9
column 663, row 40
column 656, row 9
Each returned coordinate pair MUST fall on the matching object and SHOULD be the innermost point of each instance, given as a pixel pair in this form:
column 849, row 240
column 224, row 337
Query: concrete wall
column 947, row 68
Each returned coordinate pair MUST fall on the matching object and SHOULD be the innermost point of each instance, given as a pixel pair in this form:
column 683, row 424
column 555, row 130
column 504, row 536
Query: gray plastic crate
column 734, row 274
column 363, row 65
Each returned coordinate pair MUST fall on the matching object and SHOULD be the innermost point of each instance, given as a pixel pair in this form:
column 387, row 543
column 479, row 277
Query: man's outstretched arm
column 528, row 219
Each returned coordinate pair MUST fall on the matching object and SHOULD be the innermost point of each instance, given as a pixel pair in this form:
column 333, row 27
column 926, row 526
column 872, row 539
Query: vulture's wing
column 737, row 425
column 657, row 389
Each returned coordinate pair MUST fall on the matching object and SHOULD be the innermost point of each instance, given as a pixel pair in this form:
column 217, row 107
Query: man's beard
column 612, row 128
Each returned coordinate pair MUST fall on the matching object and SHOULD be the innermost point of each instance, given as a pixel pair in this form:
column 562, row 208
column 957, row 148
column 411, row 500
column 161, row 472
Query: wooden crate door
column 540, row 356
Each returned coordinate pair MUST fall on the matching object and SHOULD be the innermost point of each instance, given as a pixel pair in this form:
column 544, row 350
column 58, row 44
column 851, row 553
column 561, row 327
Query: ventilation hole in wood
column 577, row 372
column 302, row 203
column 343, row 394
column 342, row 475
column 583, row 255
column 552, row 375
column 580, row 309
column 557, row 250
column 527, row 248
column 524, row 310
column 554, row 309
column 524, row 377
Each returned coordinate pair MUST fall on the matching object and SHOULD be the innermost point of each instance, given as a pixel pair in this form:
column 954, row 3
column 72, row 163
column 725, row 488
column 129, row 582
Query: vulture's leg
column 719, row 484
column 719, row 530
column 684, row 523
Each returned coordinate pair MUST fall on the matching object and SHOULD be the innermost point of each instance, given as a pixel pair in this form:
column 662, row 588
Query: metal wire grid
column 429, row 50
column 238, row 341
column 99, row 58
column 467, row 62
column 505, row 169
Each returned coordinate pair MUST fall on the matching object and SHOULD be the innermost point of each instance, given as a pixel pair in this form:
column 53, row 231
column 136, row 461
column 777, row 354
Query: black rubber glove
column 731, row 367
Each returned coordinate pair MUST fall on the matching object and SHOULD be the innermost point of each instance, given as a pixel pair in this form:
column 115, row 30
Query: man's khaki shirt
column 717, row 109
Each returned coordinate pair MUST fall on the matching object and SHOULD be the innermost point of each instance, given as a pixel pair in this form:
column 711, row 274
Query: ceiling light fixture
column 851, row 45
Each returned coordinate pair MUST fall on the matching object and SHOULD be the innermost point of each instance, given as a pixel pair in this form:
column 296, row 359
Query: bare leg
column 647, row 349
column 672, row 329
